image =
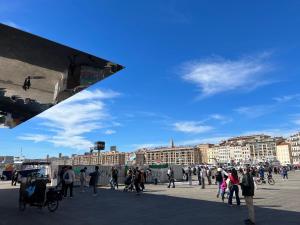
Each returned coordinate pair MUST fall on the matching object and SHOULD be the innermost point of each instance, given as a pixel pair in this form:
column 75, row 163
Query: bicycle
column 261, row 180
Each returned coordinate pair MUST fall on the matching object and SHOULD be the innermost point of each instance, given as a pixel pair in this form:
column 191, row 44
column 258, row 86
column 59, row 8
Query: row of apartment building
column 243, row 149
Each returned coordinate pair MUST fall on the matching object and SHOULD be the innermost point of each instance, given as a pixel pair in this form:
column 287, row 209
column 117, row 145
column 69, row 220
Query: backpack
column 67, row 178
column 219, row 177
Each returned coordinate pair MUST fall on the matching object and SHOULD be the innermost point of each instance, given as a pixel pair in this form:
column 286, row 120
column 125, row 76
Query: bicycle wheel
column 52, row 206
column 271, row 181
column 259, row 181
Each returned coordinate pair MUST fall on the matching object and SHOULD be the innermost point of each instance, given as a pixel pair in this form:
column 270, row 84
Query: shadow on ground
column 116, row 207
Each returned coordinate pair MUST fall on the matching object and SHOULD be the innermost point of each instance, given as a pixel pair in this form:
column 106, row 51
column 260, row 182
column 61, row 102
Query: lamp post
column 99, row 145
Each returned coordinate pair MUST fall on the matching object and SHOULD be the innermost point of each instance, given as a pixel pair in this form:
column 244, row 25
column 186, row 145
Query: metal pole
column 98, row 157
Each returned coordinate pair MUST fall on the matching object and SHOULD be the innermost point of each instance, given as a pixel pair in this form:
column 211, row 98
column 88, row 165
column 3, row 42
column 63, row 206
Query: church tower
column 172, row 143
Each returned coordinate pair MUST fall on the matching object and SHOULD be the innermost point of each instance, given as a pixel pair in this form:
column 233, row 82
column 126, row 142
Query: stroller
column 113, row 183
column 33, row 192
column 129, row 184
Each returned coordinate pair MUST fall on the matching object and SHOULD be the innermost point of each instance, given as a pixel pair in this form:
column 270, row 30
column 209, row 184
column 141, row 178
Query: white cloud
column 214, row 76
column 221, row 118
column 295, row 118
column 109, row 132
column 34, row 137
column 297, row 121
column 191, row 127
column 69, row 121
column 256, row 110
column 287, row 98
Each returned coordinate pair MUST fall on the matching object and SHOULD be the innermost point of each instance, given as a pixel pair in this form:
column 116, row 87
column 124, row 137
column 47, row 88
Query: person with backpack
column 233, row 187
column 69, row 178
column 284, row 173
column 247, row 186
column 219, row 180
column 94, row 179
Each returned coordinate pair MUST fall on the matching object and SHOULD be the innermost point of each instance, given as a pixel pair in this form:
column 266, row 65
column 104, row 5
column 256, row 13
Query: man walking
column 137, row 180
column 199, row 174
column 284, row 173
column 69, row 178
column 82, row 179
column 190, row 175
column 208, row 174
column 247, row 186
column 171, row 177
column 94, row 179
column 203, row 175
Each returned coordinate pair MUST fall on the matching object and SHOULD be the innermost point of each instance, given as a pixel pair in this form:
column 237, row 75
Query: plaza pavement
column 275, row 205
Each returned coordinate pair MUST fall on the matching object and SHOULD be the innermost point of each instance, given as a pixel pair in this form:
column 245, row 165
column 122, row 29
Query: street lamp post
column 91, row 155
column 99, row 145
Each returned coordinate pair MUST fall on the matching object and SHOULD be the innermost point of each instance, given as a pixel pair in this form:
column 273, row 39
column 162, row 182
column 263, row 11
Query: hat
column 219, row 169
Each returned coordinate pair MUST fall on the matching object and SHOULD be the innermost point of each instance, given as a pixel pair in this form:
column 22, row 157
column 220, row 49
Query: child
column 224, row 187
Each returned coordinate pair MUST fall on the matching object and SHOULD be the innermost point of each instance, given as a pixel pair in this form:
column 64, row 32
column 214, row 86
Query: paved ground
column 275, row 205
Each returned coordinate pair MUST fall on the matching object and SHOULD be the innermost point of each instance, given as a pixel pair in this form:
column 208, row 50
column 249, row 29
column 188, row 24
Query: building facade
column 284, row 153
column 183, row 155
column 247, row 149
column 213, row 155
column 104, row 158
column 204, row 149
column 294, row 140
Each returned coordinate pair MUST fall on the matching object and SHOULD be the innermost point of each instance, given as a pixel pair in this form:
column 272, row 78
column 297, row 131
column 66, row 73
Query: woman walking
column 234, row 187
column 82, row 179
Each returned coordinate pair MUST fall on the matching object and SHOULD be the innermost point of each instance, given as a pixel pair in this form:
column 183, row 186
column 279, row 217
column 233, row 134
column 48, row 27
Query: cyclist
column 262, row 173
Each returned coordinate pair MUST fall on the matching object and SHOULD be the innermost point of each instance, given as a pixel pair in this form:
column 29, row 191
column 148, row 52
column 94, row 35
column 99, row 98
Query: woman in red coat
column 234, row 187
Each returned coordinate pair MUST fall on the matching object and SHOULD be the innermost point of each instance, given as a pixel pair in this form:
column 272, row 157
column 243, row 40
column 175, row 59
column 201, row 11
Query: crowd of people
column 135, row 180
column 67, row 180
column 230, row 181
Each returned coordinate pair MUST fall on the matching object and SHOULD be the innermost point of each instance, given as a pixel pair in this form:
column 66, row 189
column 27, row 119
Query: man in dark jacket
column 137, row 180
column 248, row 193
column 94, row 179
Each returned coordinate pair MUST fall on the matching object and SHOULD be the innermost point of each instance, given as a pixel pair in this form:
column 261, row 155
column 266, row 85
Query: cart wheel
column 22, row 206
column 52, row 206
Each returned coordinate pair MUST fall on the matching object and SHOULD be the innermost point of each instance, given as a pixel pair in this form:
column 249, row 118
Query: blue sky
column 196, row 71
